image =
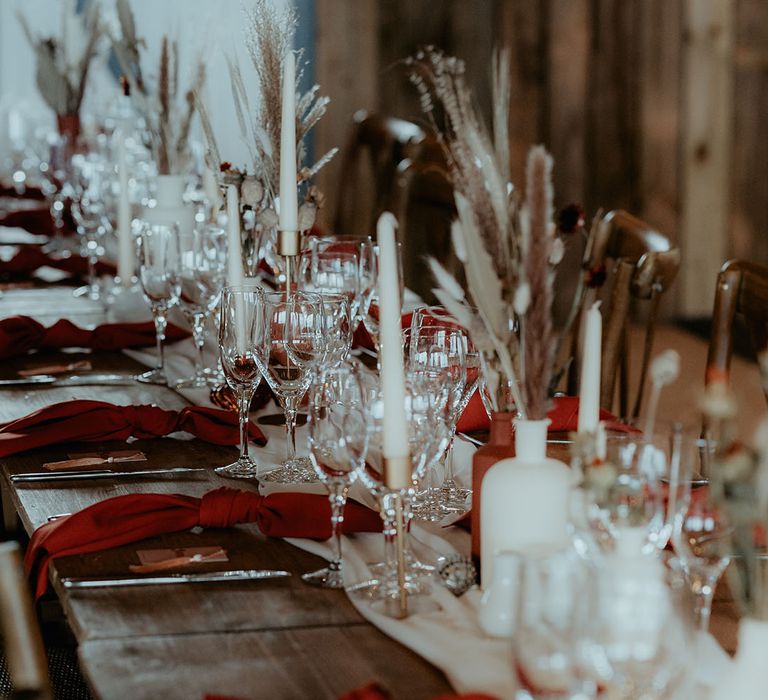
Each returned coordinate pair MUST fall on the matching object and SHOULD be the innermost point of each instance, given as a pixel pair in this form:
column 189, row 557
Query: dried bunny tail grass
column 212, row 153
column 539, row 337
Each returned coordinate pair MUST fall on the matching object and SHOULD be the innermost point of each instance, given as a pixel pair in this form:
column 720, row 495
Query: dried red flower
column 570, row 219
column 596, row 276
column 224, row 166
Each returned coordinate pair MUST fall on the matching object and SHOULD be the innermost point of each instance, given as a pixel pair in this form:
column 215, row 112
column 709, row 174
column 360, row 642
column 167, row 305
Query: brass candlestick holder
column 288, row 246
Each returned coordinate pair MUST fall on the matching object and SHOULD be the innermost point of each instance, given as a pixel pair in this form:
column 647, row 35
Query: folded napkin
column 564, row 416
column 20, row 334
column 362, row 338
column 136, row 516
column 94, row 421
column 30, row 257
column 29, row 192
column 32, row 220
column 375, row 691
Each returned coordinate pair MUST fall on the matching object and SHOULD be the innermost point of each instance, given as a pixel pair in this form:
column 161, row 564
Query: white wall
column 207, row 28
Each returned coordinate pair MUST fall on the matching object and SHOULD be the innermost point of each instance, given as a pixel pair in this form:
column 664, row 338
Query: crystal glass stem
column 703, row 587
column 245, row 396
column 161, row 323
column 290, row 408
column 198, row 335
column 338, row 498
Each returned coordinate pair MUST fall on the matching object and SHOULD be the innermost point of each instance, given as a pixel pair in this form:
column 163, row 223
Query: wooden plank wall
column 650, row 105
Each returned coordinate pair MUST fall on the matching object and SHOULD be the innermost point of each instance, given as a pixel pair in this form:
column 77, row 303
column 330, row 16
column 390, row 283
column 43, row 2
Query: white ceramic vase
column 524, row 499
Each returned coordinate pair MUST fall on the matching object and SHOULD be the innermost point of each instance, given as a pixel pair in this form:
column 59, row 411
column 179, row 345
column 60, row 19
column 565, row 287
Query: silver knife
column 82, row 474
column 50, row 380
column 212, row 577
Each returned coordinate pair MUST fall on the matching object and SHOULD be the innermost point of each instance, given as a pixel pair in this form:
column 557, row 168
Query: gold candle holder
column 288, row 246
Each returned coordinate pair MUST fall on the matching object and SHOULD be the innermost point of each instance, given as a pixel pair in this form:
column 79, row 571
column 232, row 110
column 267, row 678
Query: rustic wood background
column 649, row 105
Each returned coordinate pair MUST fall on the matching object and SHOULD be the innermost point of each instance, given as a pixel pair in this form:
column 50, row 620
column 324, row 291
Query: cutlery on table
column 50, row 380
column 101, row 474
column 210, row 577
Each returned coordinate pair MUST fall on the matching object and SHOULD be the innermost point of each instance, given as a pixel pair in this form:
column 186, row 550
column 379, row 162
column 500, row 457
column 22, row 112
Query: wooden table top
column 268, row 639
column 277, row 638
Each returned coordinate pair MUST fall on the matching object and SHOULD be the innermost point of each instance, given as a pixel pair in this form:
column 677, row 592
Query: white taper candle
column 234, row 254
column 395, row 431
column 289, row 205
column 589, row 386
column 126, row 249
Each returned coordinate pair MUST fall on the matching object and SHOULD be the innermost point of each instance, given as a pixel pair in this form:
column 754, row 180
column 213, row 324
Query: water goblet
column 158, row 246
column 338, row 442
column 369, row 280
column 240, row 323
column 337, row 320
column 290, row 347
column 331, row 271
column 202, row 273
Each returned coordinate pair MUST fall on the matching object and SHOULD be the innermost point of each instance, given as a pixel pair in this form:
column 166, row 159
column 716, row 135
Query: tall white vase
column 170, row 206
column 524, row 499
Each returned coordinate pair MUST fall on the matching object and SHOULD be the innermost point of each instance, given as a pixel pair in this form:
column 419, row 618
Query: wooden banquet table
column 263, row 639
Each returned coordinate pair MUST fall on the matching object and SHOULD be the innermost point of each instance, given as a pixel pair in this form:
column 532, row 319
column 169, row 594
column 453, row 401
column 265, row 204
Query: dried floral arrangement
column 509, row 245
column 64, row 62
column 269, row 35
column 167, row 111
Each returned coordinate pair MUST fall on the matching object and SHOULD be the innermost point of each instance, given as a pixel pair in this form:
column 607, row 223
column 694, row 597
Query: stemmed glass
column 159, row 265
column 202, row 272
column 702, row 530
column 338, row 442
column 56, row 172
column 337, row 320
column 369, row 279
column 290, row 347
column 240, row 326
column 426, row 406
column 89, row 209
column 440, row 348
column 331, row 271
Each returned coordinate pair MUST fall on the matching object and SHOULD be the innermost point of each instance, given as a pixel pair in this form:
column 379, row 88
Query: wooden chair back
column 742, row 290
column 386, row 141
column 644, row 264
column 22, row 644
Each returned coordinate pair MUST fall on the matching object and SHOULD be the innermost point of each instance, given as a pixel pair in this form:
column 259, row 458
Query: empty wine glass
column 56, row 169
column 240, row 324
column 161, row 284
column 369, row 290
column 89, row 210
column 290, row 347
column 337, row 319
column 701, row 539
column 338, row 442
column 202, row 273
column 330, row 270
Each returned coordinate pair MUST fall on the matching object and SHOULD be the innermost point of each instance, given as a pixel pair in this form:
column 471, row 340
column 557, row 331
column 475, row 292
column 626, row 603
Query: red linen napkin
column 564, row 416
column 29, row 192
column 136, row 516
column 376, row 691
column 30, row 258
column 20, row 334
column 92, row 421
column 33, row 220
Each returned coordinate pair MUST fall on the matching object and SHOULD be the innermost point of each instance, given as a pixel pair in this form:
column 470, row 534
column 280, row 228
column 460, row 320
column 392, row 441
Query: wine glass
column 338, row 442
column 331, row 270
column 369, row 292
column 702, row 529
column 425, row 407
column 56, row 169
column 290, row 347
column 441, row 348
column 337, row 320
column 89, row 210
column 159, row 265
column 202, row 273
column 240, row 325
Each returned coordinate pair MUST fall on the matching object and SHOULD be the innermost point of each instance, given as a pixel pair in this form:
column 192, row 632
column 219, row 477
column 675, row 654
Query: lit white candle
column 234, row 254
column 289, row 203
column 395, row 431
column 125, row 243
column 589, row 387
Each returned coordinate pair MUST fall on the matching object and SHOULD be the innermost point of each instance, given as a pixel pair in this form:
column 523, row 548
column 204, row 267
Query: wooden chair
column 742, row 290
column 643, row 264
column 22, row 643
column 424, row 204
column 387, row 141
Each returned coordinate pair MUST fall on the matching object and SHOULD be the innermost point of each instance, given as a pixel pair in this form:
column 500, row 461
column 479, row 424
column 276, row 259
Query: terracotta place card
column 79, row 366
column 153, row 560
column 84, row 460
